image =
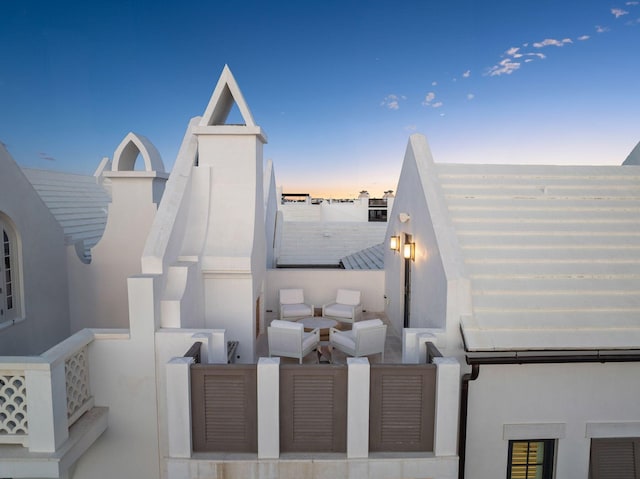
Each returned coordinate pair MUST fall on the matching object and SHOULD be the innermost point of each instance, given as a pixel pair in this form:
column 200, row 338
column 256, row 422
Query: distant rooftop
column 368, row 258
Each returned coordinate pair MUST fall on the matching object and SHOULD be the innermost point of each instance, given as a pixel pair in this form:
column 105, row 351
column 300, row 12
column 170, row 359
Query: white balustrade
column 42, row 396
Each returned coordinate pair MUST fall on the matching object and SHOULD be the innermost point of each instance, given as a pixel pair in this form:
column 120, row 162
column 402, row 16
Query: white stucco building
column 517, row 305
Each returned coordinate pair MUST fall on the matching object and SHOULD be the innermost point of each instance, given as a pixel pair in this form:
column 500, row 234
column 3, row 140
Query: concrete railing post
column 268, row 408
column 179, row 406
column 47, row 407
column 358, row 385
column 445, row 440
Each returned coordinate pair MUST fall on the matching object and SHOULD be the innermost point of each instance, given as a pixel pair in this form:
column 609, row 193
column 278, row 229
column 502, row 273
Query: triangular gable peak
column 222, row 100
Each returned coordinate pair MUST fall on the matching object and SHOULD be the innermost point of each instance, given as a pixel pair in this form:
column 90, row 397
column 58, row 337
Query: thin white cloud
column 618, row 12
column 505, row 67
column 411, row 128
column 467, row 74
column 434, row 83
column 552, row 42
column 600, row 29
column 632, row 3
column 470, row 96
column 392, row 101
column 429, row 97
column 584, row 37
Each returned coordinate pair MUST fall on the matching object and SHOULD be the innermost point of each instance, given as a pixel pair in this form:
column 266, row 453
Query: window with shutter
column 615, row 458
column 531, row 459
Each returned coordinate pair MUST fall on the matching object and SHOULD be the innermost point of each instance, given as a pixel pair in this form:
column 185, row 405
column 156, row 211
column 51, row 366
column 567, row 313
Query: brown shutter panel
column 313, row 408
column 614, row 458
column 224, row 408
column 402, row 408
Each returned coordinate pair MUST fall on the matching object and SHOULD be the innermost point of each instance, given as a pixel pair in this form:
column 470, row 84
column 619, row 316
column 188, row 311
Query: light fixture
column 394, row 243
column 404, row 217
column 409, row 251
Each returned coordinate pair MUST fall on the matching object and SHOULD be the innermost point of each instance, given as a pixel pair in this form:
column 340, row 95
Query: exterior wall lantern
column 394, row 243
column 409, row 251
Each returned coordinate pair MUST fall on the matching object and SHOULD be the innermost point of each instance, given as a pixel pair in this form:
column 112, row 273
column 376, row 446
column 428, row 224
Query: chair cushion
column 291, row 296
column 344, row 338
column 348, row 296
column 338, row 311
column 369, row 323
column 289, row 310
column 308, row 339
column 277, row 323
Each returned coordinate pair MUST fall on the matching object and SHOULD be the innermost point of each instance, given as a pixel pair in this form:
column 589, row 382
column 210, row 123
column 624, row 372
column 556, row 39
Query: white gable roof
column 553, row 254
column 78, row 203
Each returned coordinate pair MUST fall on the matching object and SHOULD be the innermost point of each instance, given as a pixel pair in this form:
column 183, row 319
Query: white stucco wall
column 565, row 399
column 234, row 254
column 99, row 289
column 123, row 378
column 429, row 283
column 270, row 213
column 42, row 272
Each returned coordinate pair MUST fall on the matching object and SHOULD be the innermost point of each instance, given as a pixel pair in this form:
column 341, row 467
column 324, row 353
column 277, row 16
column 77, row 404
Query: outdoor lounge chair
column 346, row 308
column 288, row 339
column 365, row 338
column 292, row 305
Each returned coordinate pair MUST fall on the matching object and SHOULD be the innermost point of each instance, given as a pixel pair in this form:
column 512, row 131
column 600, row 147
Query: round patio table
column 323, row 324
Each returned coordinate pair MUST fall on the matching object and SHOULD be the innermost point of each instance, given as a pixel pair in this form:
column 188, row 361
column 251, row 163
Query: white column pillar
column 358, row 385
column 179, row 406
column 445, row 441
column 268, row 408
column 47, row 407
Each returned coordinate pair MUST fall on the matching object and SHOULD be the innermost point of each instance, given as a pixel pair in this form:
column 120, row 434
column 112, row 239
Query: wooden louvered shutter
column 402, row 402
column 313, row 408
column 224, row 408
column 617, row 458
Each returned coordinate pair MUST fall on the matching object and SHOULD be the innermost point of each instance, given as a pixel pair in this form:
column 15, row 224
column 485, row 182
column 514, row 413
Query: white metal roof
column 368, row 258
column 552, row 254
column 78, row 202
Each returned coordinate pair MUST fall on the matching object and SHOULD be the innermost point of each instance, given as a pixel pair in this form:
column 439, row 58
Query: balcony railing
column 35, row 392
column 270, row 409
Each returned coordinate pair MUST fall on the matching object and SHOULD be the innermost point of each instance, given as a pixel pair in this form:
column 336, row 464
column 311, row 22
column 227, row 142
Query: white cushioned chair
column 365, row 338
column 292, row 305
column 288, row 339
column 346, row 308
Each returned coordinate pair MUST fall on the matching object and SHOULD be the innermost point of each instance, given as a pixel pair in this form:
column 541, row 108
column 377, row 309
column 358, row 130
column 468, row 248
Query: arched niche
column 124, row 158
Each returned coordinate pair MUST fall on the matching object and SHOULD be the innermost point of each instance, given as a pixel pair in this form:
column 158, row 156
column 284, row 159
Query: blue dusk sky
column 337, row 85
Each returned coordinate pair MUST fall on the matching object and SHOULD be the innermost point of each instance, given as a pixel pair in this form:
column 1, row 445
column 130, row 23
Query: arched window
column 9, row 290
